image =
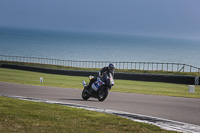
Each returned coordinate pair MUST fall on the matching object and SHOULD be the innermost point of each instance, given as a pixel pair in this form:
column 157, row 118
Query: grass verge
column 154, row 88
column 25, row 116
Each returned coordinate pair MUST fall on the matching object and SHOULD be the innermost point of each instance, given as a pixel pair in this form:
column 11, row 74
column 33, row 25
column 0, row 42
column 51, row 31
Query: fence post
column 157, row 66
column 139, row 65
column 167, row 66
column 135, row 65
column 143, row 66
column 177, row 67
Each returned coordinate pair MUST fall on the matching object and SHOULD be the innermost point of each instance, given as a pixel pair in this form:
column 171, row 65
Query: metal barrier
column 149, row 66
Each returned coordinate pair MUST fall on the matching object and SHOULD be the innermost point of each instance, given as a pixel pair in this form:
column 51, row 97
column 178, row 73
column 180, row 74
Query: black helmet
column 111, row 67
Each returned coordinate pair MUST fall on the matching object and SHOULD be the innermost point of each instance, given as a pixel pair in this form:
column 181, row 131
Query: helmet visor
column 112, row 69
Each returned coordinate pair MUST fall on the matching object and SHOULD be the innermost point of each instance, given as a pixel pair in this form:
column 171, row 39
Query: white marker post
column 41, row 79
column 191, row 89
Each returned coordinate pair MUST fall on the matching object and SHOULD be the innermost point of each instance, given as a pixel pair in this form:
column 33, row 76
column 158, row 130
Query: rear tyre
column 103, row 93
column 85, row 94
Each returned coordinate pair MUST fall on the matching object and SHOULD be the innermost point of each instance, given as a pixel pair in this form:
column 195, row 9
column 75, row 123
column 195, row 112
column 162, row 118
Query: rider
column 109, row 69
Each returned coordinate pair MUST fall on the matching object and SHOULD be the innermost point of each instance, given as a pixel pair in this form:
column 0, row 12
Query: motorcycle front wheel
column 85, row 94
column 103, row 93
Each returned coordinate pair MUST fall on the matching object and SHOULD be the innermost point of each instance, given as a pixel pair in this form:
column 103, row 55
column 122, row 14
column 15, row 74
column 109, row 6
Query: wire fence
column 149, row 66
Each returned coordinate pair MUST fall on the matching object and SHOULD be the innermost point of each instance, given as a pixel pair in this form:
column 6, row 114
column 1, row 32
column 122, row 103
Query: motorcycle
column 99, row 89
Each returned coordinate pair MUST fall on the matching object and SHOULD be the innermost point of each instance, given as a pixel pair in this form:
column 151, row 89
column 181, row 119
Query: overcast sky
column 151, row 17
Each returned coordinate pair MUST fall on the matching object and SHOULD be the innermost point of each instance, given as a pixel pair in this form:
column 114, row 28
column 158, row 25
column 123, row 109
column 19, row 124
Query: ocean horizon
column 85, row 46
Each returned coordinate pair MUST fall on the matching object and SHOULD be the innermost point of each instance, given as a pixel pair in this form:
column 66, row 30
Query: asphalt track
column 174, row 108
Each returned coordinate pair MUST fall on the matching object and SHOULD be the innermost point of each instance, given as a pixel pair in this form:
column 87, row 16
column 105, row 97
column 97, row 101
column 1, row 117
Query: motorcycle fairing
column 97, row 84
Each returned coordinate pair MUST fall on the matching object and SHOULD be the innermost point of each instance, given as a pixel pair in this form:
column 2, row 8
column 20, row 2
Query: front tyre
column 103, row 93
column 85, row 94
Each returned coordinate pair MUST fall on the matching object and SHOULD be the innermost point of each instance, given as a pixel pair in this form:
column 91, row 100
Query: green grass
column 25, row 116
column 154, row 88
column 33, row 78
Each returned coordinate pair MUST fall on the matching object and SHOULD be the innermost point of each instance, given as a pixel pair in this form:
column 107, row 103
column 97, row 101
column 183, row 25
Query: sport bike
column 99, row 89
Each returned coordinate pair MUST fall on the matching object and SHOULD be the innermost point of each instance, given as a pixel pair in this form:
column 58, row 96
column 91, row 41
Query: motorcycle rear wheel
column 85, row 94
column 103, row 93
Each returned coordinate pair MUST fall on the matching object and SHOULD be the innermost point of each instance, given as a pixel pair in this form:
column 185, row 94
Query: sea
column 94, row 46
